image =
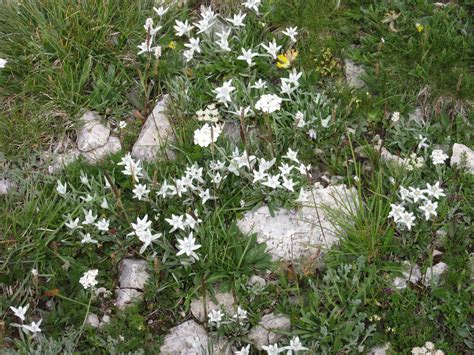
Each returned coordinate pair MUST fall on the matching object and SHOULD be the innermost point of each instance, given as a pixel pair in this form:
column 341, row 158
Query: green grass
column 66, row 56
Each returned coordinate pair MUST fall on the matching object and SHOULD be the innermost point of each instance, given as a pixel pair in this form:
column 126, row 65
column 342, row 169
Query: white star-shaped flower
column 272, row 49
column 247, row 56
column 223, row 92
column 188, row 246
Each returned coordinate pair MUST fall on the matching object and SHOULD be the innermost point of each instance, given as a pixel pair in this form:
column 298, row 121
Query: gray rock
column 92, row 134
column 305, row 232
column 225, row 302
column 417, row 116
column 112, row 146
column 155, row 136
column 127, row 296
column 5, row 185
column 463, row 156
column 190, row 338
column 257, row 281
column 353, row 73
column 232, row 131
column 60, row 161
column 434, row 274
column 93, row 320
column 267, row 331
column 133, row 274
column 410, row 274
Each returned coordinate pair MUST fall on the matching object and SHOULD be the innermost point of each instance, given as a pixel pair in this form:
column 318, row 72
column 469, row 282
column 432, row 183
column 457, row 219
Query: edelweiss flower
column 188, row 246
column 273, row 181
column 177, row 222
column 161, row 10
column 268, row 103
column 407, row 218
column 241, row 313
column 259, row 84
column 223, row 41
column 291, row 32
column 429, row 209
column 223, row 92
column 396, row 212
column 237, row 20
column 417, row 194
column 434, row 191
column 295, row 345
column 273, row 349
column 207, row 134
column 87, row 239
column 131, row 168
column 60, row 188
column 252, row 4
column 272, row 48
column 141, row 226
column 182, row 28
column 72, row 224
column 33, row 327
column 89, row 218
column 3, row 63
column 103, row 225
column 247, row 56
column 395, row 117
column 140, row 191
column 147, row 238
column 243, row 351
column 20, row 312
column 88, row 279
column 193, row 45
column 215, row 316
column 288, row 184
column 292, row 155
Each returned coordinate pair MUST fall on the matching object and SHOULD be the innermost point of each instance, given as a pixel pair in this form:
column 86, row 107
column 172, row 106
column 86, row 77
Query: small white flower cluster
column 89, row 279
column 216, row 317
column 210, row 114
column 428, row 349
column 414, row 162
column 268, row 103
column 20, row 313
column 395, row 117
column 409, row 197
column 438, row 157
column 207, row 134
column 3, row 63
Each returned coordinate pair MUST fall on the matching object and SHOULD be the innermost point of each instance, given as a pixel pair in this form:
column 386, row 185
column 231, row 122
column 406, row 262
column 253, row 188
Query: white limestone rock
column 190, row 338
column 290, row 235
column 155, row 136
column 111, row 147
column 257, row 281
column 127, row 296
column 268, row 330
column 410, row 274
column 93, row 320
column 133, row 274
column 463, row 156
column 92, row 134
column 434, row 273
column 225, row 302
column 62, row 160
column 354, row 73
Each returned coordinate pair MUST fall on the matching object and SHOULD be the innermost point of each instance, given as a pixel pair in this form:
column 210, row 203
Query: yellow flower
column 286, row 60
column 172, row 45
column 419, row 27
